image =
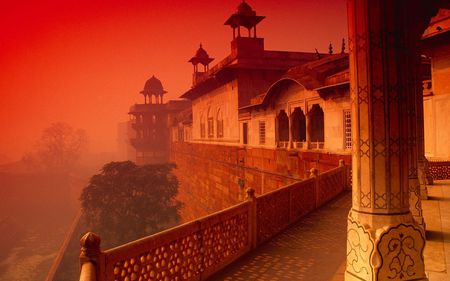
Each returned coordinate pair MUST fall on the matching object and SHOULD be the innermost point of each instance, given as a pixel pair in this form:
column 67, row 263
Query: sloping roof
column 324, row 73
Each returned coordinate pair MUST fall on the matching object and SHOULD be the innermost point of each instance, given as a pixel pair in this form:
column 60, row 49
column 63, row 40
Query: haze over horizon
column 84, row 62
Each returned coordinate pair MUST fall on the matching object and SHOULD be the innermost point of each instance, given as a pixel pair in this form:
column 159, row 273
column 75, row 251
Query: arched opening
column 317, row 127
column 210, row 124
column 202, row 126
column 219, row 124
column 298, row 128
column 282, row 129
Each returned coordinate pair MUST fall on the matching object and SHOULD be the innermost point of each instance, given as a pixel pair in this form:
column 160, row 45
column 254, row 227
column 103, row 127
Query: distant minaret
column 343, row 46
column 201, row 57
column 244, row 17
column 317, row 54
column 330, row 49
column 153, row 90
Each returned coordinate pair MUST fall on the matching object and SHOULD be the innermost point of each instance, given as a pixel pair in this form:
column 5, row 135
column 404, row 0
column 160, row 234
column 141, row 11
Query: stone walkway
column 314, row 249
column 437, row 218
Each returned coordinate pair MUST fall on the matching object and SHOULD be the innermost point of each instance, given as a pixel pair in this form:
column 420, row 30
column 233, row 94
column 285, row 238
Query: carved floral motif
column 401, row 252
column 359, row 250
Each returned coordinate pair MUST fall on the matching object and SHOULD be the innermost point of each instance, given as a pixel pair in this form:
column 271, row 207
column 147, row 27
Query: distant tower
column 245, row 46
column 245, row 17
column 201, row 57
column 149, row 122
column 153, row 90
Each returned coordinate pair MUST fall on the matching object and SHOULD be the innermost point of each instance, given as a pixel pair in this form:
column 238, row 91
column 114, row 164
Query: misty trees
column 58, row 149
column 125, row 201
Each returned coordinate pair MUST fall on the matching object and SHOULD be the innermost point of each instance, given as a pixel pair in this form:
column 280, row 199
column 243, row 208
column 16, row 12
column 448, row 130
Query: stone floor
column 437, row 218
column 314, row 249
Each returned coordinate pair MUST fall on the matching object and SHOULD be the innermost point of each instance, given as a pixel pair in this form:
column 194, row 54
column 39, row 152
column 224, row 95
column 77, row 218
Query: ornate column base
column 384, row 247
column 415, row 202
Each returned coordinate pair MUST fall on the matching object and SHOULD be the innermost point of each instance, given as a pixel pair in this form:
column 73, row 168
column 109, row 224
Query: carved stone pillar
column 384, row 242
column 414, row 90
column 308, row 128
column 290, row 144
column 422, row 161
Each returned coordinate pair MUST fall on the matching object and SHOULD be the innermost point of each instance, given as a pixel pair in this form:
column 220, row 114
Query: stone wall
column 209, row 174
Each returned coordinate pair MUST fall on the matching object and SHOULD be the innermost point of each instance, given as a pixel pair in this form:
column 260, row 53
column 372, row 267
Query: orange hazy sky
column 84, row 61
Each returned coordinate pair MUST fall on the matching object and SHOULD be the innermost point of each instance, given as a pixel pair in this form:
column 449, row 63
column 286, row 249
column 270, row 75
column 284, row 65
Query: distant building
column 219, row 92
column 150, row 123
column 436, row 45
column 264, row 118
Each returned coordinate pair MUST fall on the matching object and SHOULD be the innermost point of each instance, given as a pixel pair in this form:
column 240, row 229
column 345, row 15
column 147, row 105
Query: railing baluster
column 89, row 257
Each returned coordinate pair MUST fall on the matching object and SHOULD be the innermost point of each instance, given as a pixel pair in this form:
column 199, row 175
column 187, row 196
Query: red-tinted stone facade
column 214, row 177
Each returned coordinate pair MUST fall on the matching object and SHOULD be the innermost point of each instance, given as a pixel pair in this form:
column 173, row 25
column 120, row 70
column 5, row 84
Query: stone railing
column 300, row 144
column 439, row 170
column 283, row 144
column 200, row 248
column 316, row 145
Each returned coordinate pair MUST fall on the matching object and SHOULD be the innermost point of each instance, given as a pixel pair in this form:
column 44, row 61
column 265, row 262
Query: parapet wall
column 214, row 177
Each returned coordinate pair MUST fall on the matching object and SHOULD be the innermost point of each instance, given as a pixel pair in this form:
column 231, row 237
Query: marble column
column 308, row 128
column 290, row 144
column 422, row 163
column 384, row 241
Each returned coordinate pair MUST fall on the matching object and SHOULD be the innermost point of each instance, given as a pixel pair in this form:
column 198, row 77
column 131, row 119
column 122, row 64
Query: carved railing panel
column 198, row 249
column 439, row 170
column 272, row 213
column 276, row 210
column 187, row 252
column 330, row 184
column 302, row 199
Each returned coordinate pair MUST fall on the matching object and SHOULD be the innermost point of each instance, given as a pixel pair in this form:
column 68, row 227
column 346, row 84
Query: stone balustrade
column 439, row 170
column 200, row 248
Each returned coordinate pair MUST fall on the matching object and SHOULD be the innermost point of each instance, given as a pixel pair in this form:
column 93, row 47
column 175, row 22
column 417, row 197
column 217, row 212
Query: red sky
column 84, row 61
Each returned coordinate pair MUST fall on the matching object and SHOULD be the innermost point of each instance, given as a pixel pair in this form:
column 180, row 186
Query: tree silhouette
column 58, row 150
column 125, row 201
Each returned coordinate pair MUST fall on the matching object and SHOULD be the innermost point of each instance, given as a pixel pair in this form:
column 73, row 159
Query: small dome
column 201, row 53
column 201, row 56
column 153, row 87
column 244, row 9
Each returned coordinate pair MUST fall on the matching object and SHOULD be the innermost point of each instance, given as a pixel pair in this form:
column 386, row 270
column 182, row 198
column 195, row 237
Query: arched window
column 210, row 124
column 219, row 124
column 282, row 128
column 317, row 124
column 298, row 127
column 202, row 126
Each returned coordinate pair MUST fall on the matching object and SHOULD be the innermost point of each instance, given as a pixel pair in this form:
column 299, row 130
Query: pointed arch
column 219, row 124
column 282, row 128
column 317, row 124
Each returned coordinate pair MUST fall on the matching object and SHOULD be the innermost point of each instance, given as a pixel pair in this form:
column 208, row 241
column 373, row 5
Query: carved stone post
column 384, row 242
column 252, row 230
column 89, row 257
column 314, row 174
column 344, row 177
